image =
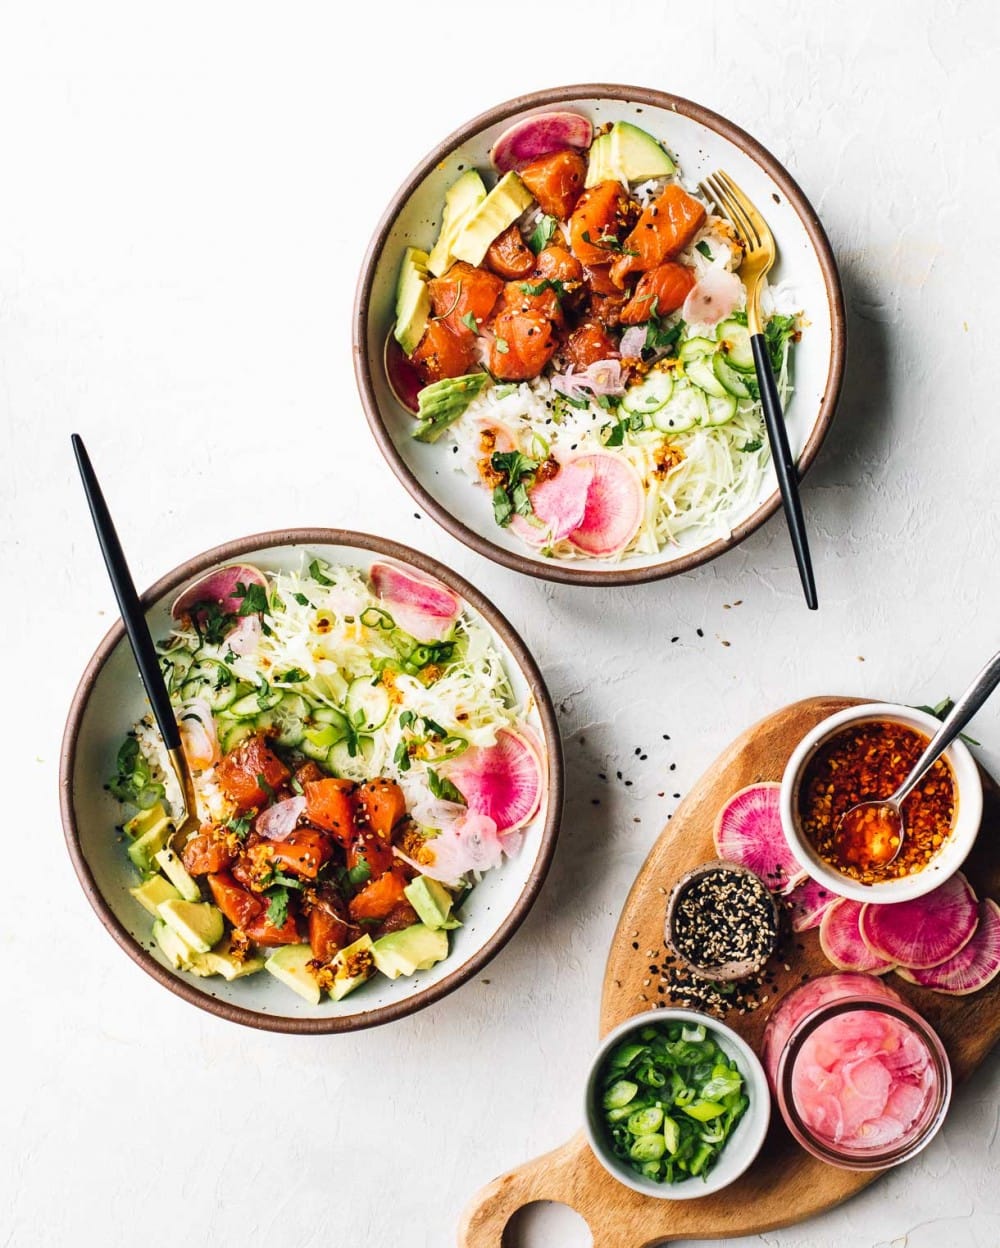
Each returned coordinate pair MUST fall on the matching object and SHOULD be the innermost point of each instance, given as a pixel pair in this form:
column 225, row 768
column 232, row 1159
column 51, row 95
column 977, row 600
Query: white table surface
column 186, row 191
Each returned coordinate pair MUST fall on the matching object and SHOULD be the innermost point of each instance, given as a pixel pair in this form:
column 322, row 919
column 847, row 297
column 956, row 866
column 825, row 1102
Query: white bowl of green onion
column 677, row 1104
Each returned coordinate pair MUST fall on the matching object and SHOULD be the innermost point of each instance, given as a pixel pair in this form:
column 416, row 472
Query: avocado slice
column 290, row 964
column 140, row 823
column 152, row 892
column 626, row 154
column 198, row 923
column 172, row 945
column 221, row 962
column 415, row 948
column 144, row 849
column 432, row 902
column 351, row 967
column 460, row 198
column 413, row 300
column 501, row 207
column 176, row 873
column 442, row 402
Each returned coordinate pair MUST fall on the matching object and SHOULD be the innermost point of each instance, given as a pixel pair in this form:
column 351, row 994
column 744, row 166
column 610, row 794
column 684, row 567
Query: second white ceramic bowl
column 742, row 1146
column 968, row 814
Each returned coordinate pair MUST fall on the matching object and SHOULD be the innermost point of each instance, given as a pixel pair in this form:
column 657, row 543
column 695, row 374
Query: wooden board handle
column 572, row 1176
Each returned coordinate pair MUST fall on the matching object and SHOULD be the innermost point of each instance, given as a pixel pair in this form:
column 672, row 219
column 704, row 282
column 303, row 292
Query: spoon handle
column 957, row 718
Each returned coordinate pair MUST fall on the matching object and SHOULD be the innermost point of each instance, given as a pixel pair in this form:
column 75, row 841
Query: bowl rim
column 817, row 236
column 755, row 1074
column 967, row 823
column 235, row 549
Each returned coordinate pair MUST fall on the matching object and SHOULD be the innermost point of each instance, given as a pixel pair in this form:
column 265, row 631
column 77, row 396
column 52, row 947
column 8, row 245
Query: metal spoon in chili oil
column 871, row 834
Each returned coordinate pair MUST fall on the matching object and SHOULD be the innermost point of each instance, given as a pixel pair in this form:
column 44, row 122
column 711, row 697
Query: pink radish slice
column 218, row 588
column 469, row 842
column 974, row 966
column 536, row 136
column 280, row 821
column 841, row 941
column 558, row 506
column 419, row 604
column 245, row 637
column 502, row 781
column 808, row 902
column 713, row 297
column 748, row 831
column 614, row 507
column 401, row 373
column 926, row 931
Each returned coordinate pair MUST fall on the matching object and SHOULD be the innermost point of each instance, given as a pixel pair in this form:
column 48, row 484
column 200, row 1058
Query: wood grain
column 785, row 1185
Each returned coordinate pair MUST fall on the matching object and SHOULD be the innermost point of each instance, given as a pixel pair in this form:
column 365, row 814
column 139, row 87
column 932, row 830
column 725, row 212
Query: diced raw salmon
column 658, row 292
column 464, row 289
column 509, row 255
column 600, row 216
column 664, row 228
column 556, row 181
column 441, row 353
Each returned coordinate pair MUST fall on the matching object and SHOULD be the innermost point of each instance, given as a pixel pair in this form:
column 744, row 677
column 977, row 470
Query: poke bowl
column 378, row 776
column 551, row 342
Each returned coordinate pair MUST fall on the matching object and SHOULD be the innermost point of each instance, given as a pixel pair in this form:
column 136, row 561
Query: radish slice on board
column 926, row 931
column 614, row 507
column 536, row 136
column 840, row 940
column 558, row 505
column 419, row 604
column 219, row 589
column 713, row 298
column 748, row 831
column 973, row 966
column 280, row 821
column 502, row 781
column 808, row 902
column 401, row 373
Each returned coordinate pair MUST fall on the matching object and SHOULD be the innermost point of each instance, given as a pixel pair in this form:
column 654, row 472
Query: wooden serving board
column 785, row 1184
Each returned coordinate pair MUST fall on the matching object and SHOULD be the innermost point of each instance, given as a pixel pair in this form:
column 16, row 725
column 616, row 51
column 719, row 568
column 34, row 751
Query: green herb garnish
column 777, row 332
column 501, row 345
column 541, row 234
column 360, row 873
column 294, row 676
column 277, row 906
column 704, row 248
column 133, row 779
column 470, row 323
column 253, row 599
column 545, row 284
column 318, row 571
column 442, row 787
column 264, row 787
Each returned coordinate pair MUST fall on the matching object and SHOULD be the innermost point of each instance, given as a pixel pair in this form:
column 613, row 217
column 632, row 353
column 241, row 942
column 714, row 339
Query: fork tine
column 732, row 208
column 760, row 225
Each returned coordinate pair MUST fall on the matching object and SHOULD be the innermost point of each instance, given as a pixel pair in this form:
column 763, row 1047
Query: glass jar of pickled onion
column 861, row 1080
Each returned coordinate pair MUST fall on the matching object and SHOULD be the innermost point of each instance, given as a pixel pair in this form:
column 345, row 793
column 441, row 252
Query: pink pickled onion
column 198, row 737
column 245, row 637
column 633, row 341
column 601, row 377
column 280, row 821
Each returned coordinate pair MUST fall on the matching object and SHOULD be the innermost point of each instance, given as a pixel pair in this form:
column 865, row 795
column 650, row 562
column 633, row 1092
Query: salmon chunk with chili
column 442, row 353
column 660, row 291
column 556, row 181
column 462, row 291
column 665, row 227
column 240, row 774
column 600, row 216
column 524, row 341
column 509, row 256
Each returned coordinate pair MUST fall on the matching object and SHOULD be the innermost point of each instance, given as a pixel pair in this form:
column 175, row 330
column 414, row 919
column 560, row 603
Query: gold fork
column 759, row 254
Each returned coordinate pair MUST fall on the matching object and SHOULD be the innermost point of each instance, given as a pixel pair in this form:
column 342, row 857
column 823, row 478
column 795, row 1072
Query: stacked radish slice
column 948, row 940
column 596, row 500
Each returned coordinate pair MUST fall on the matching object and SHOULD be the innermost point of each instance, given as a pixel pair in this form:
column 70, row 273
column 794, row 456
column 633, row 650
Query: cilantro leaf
column 541, row 234
column 511, row 495
column 545, row 284
column 360, row 873
column 253, row 599
column 470, row 323
column 777, row 332
column 443, row 788
column 501, row 345
column 277, row 906
column 294, row 676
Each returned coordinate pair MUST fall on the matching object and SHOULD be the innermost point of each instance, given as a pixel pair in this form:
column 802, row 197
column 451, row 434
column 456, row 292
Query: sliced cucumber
column 352, row 766
column 650, row 394
column 687, row 408
column 700, row 371
column 232, row 732
column 368, row 704
column 211, row 680
column 733, row 381
column 738, row 351
column 290, row 717
column 330, row 715
column 251, row 704
column 176, row 664
column 721, row 408
column 695, row 348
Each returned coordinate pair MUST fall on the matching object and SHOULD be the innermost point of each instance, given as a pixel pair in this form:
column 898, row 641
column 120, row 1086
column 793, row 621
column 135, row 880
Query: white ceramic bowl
column 703, row 141
column 110, row 699
column 742, row 1146
column 952, row 854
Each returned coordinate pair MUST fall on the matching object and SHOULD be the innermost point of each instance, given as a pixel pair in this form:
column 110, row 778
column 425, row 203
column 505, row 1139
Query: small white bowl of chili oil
column 865, row 753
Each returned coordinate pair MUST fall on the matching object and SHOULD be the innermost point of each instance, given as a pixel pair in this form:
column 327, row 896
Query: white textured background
column 185, row 194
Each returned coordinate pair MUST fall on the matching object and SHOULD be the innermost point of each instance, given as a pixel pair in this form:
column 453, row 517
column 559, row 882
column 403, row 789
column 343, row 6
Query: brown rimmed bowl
column 702, row 141
column 109, row 699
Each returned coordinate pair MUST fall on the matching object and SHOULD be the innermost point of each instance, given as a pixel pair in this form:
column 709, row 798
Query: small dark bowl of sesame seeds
column 722, row 920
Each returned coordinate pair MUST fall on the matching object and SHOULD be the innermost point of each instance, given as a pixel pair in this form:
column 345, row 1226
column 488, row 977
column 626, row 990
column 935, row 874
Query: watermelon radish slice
column 973, row 967
column 808, row 902
column 502, row 781
column 536, row 136
column 840, row 940
column 926, row 931
column 713, row 298
column 748, row 831
column 614, row 507
column 419, row 604
column 401, row 374
column 558, row 504
column 219, row 589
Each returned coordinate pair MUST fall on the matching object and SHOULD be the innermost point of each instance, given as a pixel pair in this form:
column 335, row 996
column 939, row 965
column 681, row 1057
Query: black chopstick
column 784, row 466
column 128, row 601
